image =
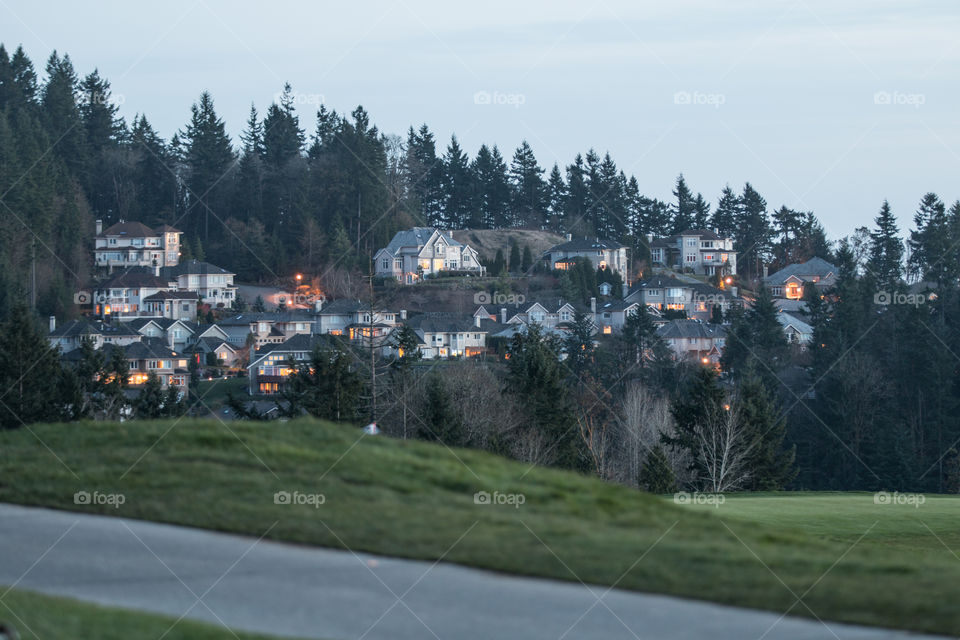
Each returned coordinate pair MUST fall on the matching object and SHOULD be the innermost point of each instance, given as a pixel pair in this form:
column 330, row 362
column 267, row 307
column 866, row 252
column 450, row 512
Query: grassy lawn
column 214, row 392
column 37, row 616
column 416, row 500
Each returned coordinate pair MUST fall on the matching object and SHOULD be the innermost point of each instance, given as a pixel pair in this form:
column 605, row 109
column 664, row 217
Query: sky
column 822, row 106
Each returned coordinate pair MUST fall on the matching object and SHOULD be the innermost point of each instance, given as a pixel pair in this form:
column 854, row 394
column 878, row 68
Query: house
column 214, row 285
column 550, row 313
column 611, row 316
column 796, row 329
column 694, row 340
column 669, row 293
column 449, row 335
column 603, row 254
column 176, row 332
column 134, row 244
column 149, row 355
column 123, row 295
column 791, row 281
column 172, row 305
column 226, row 354
column 267, row 327
column 99, row 333
column 270, row 365
column 356, row 320
column 423, row 251
column 698, row 251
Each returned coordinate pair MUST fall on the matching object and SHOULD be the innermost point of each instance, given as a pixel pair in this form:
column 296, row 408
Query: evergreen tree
column 886, row 249
column 457, row 185
column 325, row 387
column 726, row 214
column 149, row 404
column 514, row 257
column 769, row 465
column 439, row 420
column 683, row 210
column 208, row 157
column 656, row 475
column 752, row 234
column 556, row 199
column 756, row 336
column 31, row 373
column 526, row 263
column 529, row 190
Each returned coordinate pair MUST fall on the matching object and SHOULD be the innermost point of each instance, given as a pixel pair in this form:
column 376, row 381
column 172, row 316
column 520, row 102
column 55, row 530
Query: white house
column 603, row 254
column 124, row 294
column 69, row 336
column 267, row 327
column 699, row 251
column 213, row 284
column 134, row 244
column 797, row 331
column 550, row 313
column 355, row 320
column 447, row 335
column 668, row 293
column 422, row 251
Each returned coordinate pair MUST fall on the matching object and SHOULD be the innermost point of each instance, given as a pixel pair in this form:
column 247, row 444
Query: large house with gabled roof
column 134, row 244
column 790, row 282
column 602, row 253
column 214, row 285
column 698, row 251
column 419, row 252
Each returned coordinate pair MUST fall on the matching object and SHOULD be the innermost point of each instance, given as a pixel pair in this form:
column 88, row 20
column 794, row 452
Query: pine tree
column 208, row 157
column 752, row 233
column 439, row 420
column 886, row 249
column 526, row 263
column 514, row 257
column 701, row 212
column 149, row 404
column 769, row 465
column 726, row 214
column 683, row 209
column 457, row 185
column 529, row 190
column 556, row 198
column 31, row 373
column 656, row 475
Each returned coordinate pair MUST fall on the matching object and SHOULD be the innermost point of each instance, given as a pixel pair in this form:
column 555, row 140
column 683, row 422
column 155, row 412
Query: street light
column 299, row 277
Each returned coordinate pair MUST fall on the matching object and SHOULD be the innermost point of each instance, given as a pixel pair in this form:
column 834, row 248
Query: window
column 708, row 256
column 385, row 264
column 440, row 249
column 398, row 264
column 691, row 258
column 691, row 242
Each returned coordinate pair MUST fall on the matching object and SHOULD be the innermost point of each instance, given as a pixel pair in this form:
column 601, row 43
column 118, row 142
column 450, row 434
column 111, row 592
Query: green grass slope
column 849, row 559
column 37, row 617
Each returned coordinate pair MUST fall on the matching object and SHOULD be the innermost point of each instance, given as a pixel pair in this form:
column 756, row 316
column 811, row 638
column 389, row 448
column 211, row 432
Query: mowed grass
column 44, row 617
column 414, row 499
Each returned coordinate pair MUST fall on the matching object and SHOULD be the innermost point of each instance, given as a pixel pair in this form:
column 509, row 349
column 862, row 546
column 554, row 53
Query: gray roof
column 416, row 237
column 194, row 267
column 342, row 307
column 267, row 316
column 690, row 329
column 806, row 271
column 786, row 319
column 586, row 244
column 134, row 277
column 130, row 229
column 299, row 342
column 442, row 322
column 83, row 327
column 164, row 323
column 172, row 295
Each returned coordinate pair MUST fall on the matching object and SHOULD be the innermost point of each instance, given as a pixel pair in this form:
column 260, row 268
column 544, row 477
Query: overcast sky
column 822, row 106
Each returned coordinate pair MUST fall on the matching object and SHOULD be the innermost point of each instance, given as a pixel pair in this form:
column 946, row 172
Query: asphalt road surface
column 290, row 590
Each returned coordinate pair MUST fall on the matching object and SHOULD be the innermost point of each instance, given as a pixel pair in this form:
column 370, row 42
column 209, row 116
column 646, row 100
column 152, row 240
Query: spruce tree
column 886, row 249
column 656, row 475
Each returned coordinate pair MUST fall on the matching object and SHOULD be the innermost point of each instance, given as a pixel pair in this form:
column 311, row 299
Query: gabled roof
column 787, row 320
column 342, row 307
column 705, row 234
column 300, row 343
column 807, row 271
column 266, row 316
column 165, row 228
column 416, row 237
column 690, row 329
column 194, row 267
column 137, row 324
column 171, row 295
column 586, row 244
column 146, row 349
column 616, row 305
column 660, row 282
column 81, row 327
column 129, row 229
column 443, row 322
column 134, row 277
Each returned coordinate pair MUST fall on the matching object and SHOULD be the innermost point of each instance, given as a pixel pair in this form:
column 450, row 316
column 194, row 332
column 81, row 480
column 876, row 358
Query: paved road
column 321, row 593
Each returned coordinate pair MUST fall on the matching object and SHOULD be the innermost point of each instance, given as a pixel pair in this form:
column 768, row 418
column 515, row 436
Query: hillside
column 419, row 500
column 488, row 241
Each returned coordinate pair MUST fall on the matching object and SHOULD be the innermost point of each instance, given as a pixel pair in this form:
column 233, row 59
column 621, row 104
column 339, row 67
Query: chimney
column 170, row 339
column 733, row 291
column 403, row 314
column 317, row 305
column 503, row 315
column 716, row 230
column 476, row 321
column 156, row 270
column 569, row 237
column 593, row 305
column 766, row 271
column 99, row 227
column 649, row 238
column 53, row 323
